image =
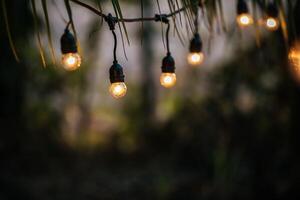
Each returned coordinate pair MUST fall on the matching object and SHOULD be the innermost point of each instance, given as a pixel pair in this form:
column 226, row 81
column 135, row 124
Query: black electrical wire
column 99, row 13
column 115, row 46
column 167, row 38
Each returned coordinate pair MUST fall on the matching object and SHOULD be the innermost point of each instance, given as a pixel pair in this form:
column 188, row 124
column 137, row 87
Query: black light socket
column 242, row 7
column 68, row 43
column 116, row 73
column 196, row 44
column 168, row 64
column 272, row 10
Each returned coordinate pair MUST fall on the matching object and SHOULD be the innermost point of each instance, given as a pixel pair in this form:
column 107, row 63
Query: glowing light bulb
column 244, row 20
column 195, row 58
column 294, row 60
column 168, row 80
column 118, row 90
column 71, row 61
column 272, row 24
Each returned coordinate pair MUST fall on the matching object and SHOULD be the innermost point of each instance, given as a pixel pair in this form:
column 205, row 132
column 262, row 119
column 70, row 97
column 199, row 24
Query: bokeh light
column 71, row 61
column 244, row 20
column 168, row 80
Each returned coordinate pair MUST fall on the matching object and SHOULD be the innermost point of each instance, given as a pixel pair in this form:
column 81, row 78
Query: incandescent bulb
column 294, row 60
column 118, row 90
column 244, row 20
column 272, row 24
column 195, row 58
column 71, row 61
column 168, row 80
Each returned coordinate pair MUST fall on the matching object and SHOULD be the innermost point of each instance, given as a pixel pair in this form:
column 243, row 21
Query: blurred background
column 228, row 130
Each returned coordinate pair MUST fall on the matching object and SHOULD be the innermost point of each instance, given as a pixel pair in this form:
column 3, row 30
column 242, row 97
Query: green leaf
column 35, row 19
column 220, row 6
column 45, row 9
column 118, row 11
column 162, row 27
column 11, row 43
column 120, row 28
column 100, row 9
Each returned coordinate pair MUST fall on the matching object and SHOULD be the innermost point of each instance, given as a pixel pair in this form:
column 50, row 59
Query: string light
column 294, row 57
column 118, row 88
column 294, row 60
column 196, row 57
column 71, row 60
column 168, row 77
column 271, row 21
column 244, row 19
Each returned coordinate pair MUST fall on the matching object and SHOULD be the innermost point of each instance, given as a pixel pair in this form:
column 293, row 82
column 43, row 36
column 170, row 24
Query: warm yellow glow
column 294, row 59
column 71, row 61
column 118, row 90
column 244, row 20
column 195, row 58
column 272, row 24
column 168, row 80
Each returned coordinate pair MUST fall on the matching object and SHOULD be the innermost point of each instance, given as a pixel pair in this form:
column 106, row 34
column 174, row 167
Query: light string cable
column 196, row 22
column 167, row 37
column 101, row 14
column 111, row 21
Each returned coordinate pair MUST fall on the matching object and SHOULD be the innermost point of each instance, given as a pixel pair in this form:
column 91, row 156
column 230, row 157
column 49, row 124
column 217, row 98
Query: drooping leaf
column 172, row 7
column 118, row 12
column 120, row 28
column 8, row 31
column 284, row 28
column 162, row 27
column 222, row 17
column 45, row 9
column 40, row 46
column 256, row 24
column 100, row 9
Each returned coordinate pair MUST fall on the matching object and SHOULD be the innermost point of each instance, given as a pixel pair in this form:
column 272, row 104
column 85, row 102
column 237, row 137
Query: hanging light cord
column 115, row 47
column 167, row 38
column 111, row 21
column 68, row 25
column 197, row 22
column 164, row 18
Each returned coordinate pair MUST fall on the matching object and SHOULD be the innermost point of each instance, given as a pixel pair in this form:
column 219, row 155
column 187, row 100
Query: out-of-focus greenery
column 239, row 141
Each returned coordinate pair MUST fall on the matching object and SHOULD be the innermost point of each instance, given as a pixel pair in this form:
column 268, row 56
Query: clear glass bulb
column 118, row 90
column 168, row 80
column 244, row 20
column 71, row 61
column 272, row 24
column 195, row 58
